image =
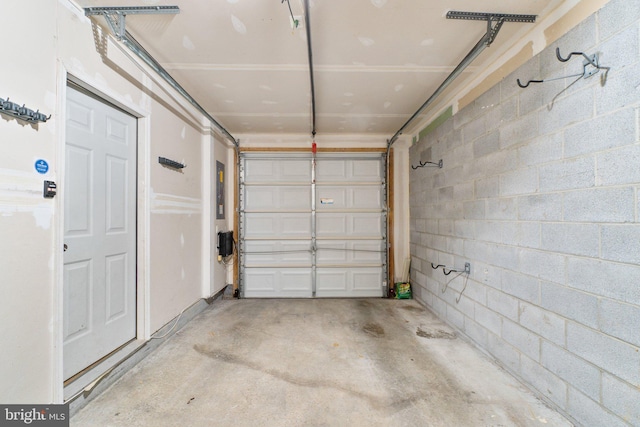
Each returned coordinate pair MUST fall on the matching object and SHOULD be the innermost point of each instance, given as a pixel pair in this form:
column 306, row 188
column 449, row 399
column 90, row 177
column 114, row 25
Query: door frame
column 79, row 78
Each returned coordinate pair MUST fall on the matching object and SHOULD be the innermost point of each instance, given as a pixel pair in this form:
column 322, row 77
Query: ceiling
column 375, row 61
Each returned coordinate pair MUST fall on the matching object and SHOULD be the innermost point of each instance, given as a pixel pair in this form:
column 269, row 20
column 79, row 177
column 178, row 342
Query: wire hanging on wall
column 423, row 164
column 294, row 21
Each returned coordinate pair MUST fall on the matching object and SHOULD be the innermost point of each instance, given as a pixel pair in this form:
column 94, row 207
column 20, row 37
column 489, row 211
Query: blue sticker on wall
column 42, row 166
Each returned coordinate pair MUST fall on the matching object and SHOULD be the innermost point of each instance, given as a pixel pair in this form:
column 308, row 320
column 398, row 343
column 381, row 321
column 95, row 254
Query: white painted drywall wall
column 54, row 40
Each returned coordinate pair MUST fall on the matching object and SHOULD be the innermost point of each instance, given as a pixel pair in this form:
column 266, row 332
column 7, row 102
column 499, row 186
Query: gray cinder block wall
column 544, row 204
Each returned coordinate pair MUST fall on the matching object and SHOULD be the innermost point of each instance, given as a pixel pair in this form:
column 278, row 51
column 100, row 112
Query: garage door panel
column 331, row 280
column 283, row 252
column 356, row 252
column 349, row 225
column 350, row 197
column 328, row 225
column 284, row 215
column 365, row 224
column 277, row 283
column 366, row 280
column 331, row 170
column 368, row 170
column 357, row 282
column 346, row 170
column 273, row 198
column 277, row 170
column 366, row 197
column 267, row 225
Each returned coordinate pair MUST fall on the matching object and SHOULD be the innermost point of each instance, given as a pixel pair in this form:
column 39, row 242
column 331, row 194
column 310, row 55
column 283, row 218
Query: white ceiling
column 375, row 61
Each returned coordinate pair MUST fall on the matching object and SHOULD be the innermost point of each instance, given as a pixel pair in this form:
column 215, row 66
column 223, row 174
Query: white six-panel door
column 99, row 231
column 312, row 230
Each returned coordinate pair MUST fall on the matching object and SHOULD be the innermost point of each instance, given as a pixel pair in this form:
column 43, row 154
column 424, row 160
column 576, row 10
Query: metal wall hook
column 561, row 59
column 423, row 164
column 171, row 163
column 21, row 112
column 448, row 271
column 590, row 67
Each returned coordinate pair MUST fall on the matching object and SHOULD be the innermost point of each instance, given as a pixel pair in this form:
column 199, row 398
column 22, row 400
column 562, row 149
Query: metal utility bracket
column 498, row 18
column 115, row 16
column 171, row 163
column 23, row 113
column 484, row 42
column 590, row 66
column 448, row 271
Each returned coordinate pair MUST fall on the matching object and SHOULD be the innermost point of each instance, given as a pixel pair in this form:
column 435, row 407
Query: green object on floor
column 403, row 291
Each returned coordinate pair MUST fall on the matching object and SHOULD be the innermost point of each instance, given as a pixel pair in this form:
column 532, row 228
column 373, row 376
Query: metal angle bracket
column 484, row 16
column 115, row 16
column 498, row 18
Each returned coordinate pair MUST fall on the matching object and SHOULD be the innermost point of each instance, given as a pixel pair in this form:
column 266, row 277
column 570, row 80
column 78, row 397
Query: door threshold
column 85, row 380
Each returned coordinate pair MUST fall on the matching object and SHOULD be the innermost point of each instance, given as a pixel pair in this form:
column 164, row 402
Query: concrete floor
column 329, row 362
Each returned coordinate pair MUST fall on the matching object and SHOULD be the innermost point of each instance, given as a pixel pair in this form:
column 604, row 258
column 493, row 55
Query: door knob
column 65, row 247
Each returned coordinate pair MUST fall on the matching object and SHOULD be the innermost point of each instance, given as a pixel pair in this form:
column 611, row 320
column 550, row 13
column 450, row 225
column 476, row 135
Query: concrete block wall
column 540, row 193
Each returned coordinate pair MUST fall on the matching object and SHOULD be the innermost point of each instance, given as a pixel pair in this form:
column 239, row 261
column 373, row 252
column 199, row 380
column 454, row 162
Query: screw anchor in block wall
column 467, row 268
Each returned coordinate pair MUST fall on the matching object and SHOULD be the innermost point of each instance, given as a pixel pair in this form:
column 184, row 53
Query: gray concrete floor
column 331, row 362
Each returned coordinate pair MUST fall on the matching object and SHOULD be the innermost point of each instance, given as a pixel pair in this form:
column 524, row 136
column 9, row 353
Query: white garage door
column 312, row 228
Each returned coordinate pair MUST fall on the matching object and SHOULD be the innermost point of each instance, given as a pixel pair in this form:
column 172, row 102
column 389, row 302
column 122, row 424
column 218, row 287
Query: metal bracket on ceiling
column 484, row 16
column 115, row 16
column 484, row 42
column 498, row 18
